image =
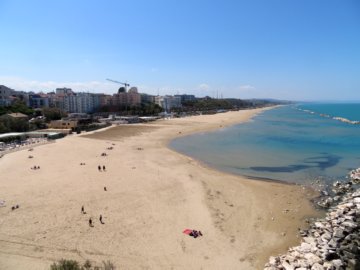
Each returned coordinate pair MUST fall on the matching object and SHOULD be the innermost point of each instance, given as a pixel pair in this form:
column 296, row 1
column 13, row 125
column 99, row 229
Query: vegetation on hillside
column 52, row 114
column 9, row 124
column 17, row 107
column 145, row 109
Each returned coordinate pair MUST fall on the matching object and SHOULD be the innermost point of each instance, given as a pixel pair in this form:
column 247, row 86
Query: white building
column 64, row 91
column 168, row 102
column 5, row 93
column 81, row 103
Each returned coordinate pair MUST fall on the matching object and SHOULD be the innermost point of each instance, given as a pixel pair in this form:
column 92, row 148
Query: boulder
column 304, row 248
column 333, row 243
column 353, row 265
column 337, row 264
column 309, row 240
column 287, row 266
column 274, row 260
column 317, row 266
column 312, row 258
column 338, row 233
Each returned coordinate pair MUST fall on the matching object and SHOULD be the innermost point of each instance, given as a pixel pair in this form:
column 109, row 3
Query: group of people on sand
column 195, row 233
column 82, row 163
column 91, row 223
column 15, row 207
column 103, row 168
column 35, row 167
column 100, row 169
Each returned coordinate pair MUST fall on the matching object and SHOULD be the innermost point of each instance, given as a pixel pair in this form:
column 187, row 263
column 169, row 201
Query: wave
column 338, row 118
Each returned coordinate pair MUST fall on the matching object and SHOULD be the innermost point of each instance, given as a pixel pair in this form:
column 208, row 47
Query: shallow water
column 285, row 143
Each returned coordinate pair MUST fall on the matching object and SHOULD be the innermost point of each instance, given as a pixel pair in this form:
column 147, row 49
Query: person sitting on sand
column 38, row 167
column 99, row 168
column 105, row 189
column 101, row 221
column 104, row 168
column 82, row 210
column 90, row 222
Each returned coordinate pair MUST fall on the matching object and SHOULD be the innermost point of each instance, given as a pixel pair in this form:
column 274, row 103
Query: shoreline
column 151, row 189
column 208, row 166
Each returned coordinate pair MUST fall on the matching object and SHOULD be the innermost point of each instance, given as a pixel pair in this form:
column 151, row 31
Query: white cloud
column 246, row 87
column 21, row 84
column 204, row 87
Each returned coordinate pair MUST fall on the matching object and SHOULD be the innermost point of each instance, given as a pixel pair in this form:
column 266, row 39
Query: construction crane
column 125, row 84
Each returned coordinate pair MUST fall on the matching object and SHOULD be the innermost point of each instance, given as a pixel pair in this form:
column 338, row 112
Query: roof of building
column 17, row 115
column 15, row 134
column 12, row 134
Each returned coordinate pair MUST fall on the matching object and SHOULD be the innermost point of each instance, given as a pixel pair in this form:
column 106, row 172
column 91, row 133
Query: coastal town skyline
column 284, row 50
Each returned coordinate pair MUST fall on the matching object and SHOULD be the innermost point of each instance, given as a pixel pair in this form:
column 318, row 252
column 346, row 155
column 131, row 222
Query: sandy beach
column 153, row 194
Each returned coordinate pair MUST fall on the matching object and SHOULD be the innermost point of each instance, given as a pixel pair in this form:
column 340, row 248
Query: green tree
column 53, row 114
column 20, row 106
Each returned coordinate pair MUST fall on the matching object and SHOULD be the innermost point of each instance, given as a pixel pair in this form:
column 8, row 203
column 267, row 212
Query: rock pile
column 332, row 243
column 355, row 176
column 338, row 189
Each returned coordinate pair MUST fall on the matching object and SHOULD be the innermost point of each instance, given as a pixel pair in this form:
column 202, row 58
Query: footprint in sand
column 183, row 246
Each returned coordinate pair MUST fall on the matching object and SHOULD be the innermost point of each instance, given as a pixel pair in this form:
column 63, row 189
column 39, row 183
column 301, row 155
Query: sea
column 297, row 143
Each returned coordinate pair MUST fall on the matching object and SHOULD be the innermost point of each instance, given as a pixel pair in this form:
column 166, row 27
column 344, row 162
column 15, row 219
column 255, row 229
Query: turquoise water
column 350, row 111
column 285, row 143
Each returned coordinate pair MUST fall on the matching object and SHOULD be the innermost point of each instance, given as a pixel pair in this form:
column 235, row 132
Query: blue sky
column 300, row 49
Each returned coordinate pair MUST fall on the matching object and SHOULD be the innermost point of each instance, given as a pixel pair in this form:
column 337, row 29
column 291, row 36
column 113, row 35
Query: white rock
column 287, row 266
column 319, row 225
column 329, row 266
column 312, row 259
column 274, row 260
column 337, row 264
column 317, row 266
column 309, row 240
column 303, row 263
column 304, row 248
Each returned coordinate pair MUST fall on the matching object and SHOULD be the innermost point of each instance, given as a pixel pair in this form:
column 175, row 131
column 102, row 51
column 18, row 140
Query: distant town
column 69, row 111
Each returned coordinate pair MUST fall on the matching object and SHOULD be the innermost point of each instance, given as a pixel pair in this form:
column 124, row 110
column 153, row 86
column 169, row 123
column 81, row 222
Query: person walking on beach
column 99, row 168
column 90, row 222
column 104, row 168
column 101, row 221
column 82, row 210
column 105, row 189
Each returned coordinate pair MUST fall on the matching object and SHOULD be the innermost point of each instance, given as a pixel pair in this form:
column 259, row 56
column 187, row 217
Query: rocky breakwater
column 332, row 243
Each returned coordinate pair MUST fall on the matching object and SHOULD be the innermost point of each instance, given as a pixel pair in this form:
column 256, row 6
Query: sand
column 153, row 194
